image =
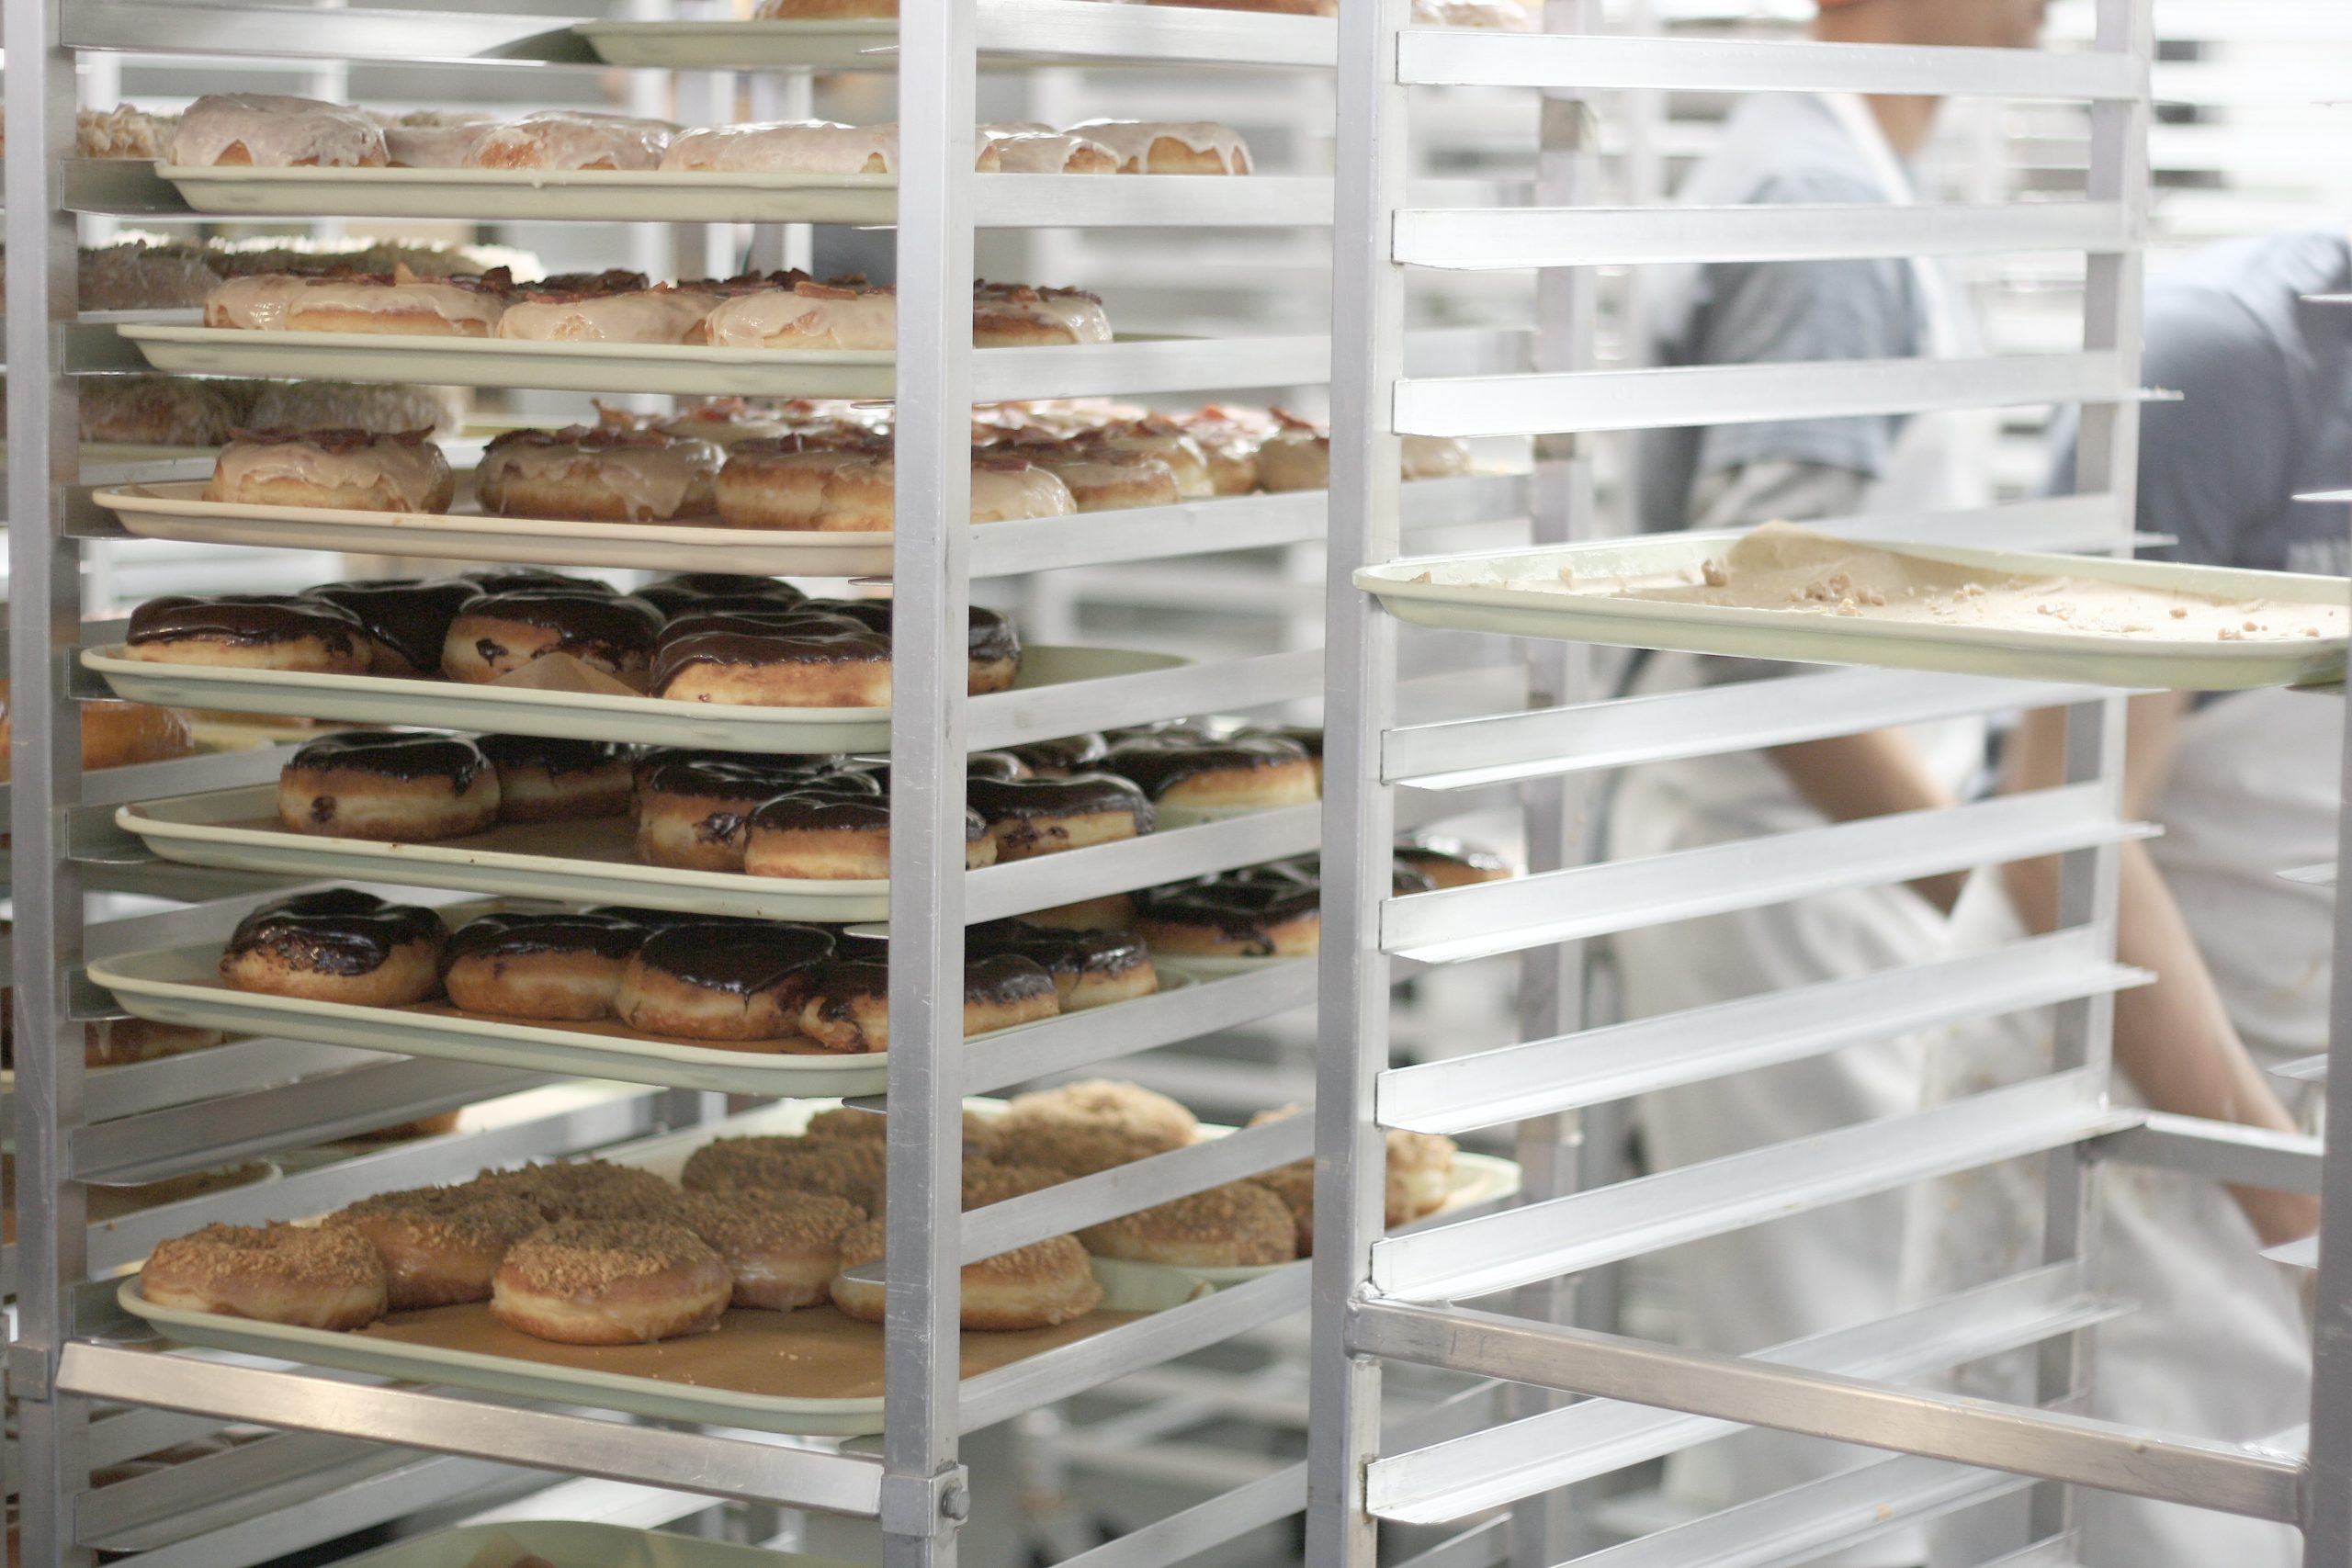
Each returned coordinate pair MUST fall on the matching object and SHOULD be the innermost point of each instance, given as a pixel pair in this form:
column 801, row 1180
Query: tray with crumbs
column 182, row 985
column 670, row 196
column 500, row 709
column 574, row 1543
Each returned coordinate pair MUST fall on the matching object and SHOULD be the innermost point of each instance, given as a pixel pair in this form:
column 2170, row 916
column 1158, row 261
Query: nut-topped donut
column 1153, row 1120
column 710, row 982
column 545, row 778
column 561, row 965
column 1228, row 438
column 611, row 1282
column 849, row 1008
column 838, row 1167
column 439, row 1245
column 340, row 945
column 595, row 474
column 1156, row 436
column 403, row 788
column 311, row 1277
column 407, row 619
column 274, row 131
column 1039, row 817
column 1237, row 1225
column 694, row 810
column 249, row 631
column 350, row 470
column 1089, row 968
column 1035, row 1286
column 1189, row 768
column 782, row 1249
column 498, row 634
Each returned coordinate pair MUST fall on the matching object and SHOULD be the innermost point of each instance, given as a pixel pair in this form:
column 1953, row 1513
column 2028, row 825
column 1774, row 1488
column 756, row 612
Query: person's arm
column 2173, row 1039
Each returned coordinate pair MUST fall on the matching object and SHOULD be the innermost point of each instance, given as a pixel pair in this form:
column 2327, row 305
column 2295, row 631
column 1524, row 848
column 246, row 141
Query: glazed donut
column 1449, row 862
column 801, row 147
column 722, row 982
column 597, row 475
column 340, row 945
column 1297, row 455
column 582, row 1190
column 117, row 1042
column 849, row 1009
column 806, row 314
column 687, row 591
column 1421, row 1174
column 1433, row 457
column 1237, row 1225
column 551, row 966
column 1059, row 758
column 272, row 132
column 1016, row 315
column 790, row 483
column 311, row 1276
column 1507, row 14
column 1156, row 147
column 401, row 304
column 135, row 275
column 123, row 131
column 439, row 1245
column 168, row 410
column 118, row 735
column 1042, row 817
column 381, row 409
column 1110, row 481
column 347, row 470
column 1035, row 1286
column 851, row 1168
column 569, row 139
column 1262, row 911
column 694, row 812
column 1089, row 969
column 721, row 421
column 782, row 1249
column 497, row 633
column 431, row 138
column 1229, row 438
column 1008, row 489
column 548, row 779
column 1157, row 435
column 611, row 1282
column 249, row 631
column 1153, row 1121
column 1177, row 768
column 387, row 785
column 617, row 307
column 407, row 620
column 1042, row 150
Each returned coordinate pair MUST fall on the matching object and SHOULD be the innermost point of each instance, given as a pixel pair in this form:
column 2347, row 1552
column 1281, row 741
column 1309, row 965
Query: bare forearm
column 1853, row 776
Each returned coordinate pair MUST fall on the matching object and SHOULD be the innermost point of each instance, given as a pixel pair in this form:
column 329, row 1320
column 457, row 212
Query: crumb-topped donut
column 439, row 1245
column 597, row 474
column 388, row 785
column 722, row 982
column 849, row 1008
column 544, row 778
column 348, row 471
column 581, row 1189
column 400, row 303
column 1091, row 968
column 379, row 408
column 612, row 306
column 311, row 1276
column 339, row 945
column 135, row 275
column 782, row 1249
column 572, row 138
column 838, row 1167
column 847, row 1124
column 169, row 410
column 1035, row 1286
column 1042, row 817
column 694, row 811
column 270, row 131
column 540, row 966
column 1419, row 1172
column 249, row 631
column 1190, row 769
column 1162, row 147
column 611, row 1282
column 497, row 633
column 1236, row 1225
column 407, row 619
column 1152, row 1120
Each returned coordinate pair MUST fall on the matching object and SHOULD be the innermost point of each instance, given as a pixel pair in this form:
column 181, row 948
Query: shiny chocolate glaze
column 691, row 590
column 512, row 580
column 1308, row 736
column 721, row 776
column 1420, row 846
column 1059, row 951
column 409, row 616
column 741, row 640
column 743, row 961
column 584, row 623
column 999, row 978
column 247, row 620
column 519, row 935
column 398, row 756
column 1072, row 754
column 991, row 635
column 1081, row 794
column 557, row 754
column 1157, row 762
column 999, row 765
column 338, row 932
column 1242, row 905
column 670, row 919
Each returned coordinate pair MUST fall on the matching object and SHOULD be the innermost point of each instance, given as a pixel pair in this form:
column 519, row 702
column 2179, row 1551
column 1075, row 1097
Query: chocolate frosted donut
column 557, row 966
column 340, row 945
column 1090, row 968
column 688, row 590
column 498, row 634
column 1261, row 911
column 545, row 778
column 990, row 642
column 837, row 827
column 512, row 580
column 1191, row 771
column 1041, row 816
column 249, row 631
column 802, row 657
column 707, row 982
column 1059, row 758
column 694, row 810
column 407, row 619
column 1449, row 862
column 849, row 1010
column 403, row 788
column 994, row 765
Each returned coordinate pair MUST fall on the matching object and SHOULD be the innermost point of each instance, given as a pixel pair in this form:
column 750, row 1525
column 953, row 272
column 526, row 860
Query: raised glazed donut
column 1042, row 817
column 1090, row 968
column 615, row 307
column 402, row 304
column 348, row 471
column 379, row 408
column 116, row 735
column 611, row 1282
column 1100, row 480
column 597, row 475
column 169, row 410
column 1237, row 1225
column 1159, row 147
column 722, row 982
column 1032, row 1286
column 782, row 1249
column 498, row 634
column 544, row 778
column 552, row 966
column 406, row 619
column 1016, row 315
column 791, row 482
column 268, row 130
column 1189, row 769
column 568, row 139
column 431, row 138
column 249, row 631
column 439, row 1245
column 1042, row 150
column 340, row 945
column 800, row 147
column 396, row 788
column 311, row 1276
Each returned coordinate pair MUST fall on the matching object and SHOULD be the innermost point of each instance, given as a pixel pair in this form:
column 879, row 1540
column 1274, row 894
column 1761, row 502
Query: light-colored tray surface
column 665, row 194
column 869, row 43
column 593, row 862
column 1217, row 968
column 182, row 985
column 512, row 710
column 574, row 1543
column 180, row 511
column 1473, row 593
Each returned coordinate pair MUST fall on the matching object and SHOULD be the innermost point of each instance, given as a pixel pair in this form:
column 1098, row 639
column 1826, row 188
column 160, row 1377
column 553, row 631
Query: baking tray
column 1469, row 593
column 1215, row 968
column 513, row 710
column 182, row 985
column 180, row 511
column 751, row 1348
column 670, row 196
column 859, row 43
column 574, row 1543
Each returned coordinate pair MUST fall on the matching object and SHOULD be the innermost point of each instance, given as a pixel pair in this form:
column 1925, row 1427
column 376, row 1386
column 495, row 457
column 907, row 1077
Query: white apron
column 2219, row 1347
column 1840, row 1266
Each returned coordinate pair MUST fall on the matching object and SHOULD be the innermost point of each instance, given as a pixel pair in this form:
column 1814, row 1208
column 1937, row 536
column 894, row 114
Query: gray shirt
column 2265, row 411
column 1777, row 148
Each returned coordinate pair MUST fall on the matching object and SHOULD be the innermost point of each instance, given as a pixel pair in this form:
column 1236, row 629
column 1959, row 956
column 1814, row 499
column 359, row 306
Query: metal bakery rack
column 1500, row 1296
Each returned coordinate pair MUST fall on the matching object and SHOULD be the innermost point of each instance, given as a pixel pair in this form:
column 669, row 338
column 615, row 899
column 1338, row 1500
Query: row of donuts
column 686, row 976
column 158, row 274
column 273, row 130
column 1508, row 15
column 695, row 637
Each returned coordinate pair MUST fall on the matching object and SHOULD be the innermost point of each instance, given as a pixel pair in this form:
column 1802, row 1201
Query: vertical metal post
column 1360, row 670
column 923, row 1488
column 45, row 610
column 2106, row 462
